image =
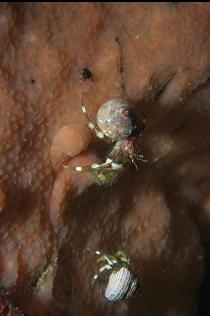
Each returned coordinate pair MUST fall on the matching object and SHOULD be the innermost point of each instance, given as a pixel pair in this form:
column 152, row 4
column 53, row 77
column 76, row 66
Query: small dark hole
column 86, row 74
column 33, row 81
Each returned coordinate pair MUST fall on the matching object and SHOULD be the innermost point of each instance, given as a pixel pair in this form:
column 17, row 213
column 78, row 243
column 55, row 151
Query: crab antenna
column 133, row 161
column 90, row 250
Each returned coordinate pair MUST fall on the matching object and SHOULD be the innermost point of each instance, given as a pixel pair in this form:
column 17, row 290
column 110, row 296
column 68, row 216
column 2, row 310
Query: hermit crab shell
column 122, row 284
column 116, row 119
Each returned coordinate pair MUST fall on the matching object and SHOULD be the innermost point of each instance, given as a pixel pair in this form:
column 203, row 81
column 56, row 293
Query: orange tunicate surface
column 2, row 200
column 155, row 55
column 68, row 142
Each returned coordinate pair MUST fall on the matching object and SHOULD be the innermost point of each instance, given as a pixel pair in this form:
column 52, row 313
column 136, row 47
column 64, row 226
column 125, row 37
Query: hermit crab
column 118, row 124
column 122, row 283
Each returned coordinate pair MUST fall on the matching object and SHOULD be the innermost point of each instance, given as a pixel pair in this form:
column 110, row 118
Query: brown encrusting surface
column 158, row 57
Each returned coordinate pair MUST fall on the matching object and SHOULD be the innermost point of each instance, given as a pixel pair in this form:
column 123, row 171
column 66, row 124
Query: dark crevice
column 179, row 127
column 162, row 88
column 86, row 74
column 204, row 78
column 121, row 61
column 121, row 68
column 204, row 306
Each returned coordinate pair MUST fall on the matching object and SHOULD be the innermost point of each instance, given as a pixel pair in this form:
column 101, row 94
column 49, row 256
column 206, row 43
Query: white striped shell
column 122, row 284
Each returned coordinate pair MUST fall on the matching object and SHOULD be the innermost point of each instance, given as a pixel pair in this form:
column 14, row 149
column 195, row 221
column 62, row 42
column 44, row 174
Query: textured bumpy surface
column 157, row 57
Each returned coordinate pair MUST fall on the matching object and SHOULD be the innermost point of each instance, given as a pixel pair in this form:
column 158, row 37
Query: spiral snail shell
column 116, row 119
column 122, row 284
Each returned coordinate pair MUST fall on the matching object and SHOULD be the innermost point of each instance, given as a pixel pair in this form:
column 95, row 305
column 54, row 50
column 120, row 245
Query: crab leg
column 91, row 125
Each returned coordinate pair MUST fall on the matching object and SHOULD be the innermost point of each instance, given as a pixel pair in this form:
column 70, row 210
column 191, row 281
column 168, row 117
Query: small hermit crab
column 117, row 122
column 122, row 284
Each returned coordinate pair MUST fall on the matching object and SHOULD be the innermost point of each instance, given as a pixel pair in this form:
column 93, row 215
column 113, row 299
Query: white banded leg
column 110, row 262
column 109, row 163
column 122, row 256
column 105, row 258
column 91, row 125
column 139, row 157
column 133, row 161
column 106, row 267
column 95, row 278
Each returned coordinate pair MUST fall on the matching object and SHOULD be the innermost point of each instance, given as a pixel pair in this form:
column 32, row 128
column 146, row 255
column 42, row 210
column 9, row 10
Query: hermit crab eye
column 125, row 112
